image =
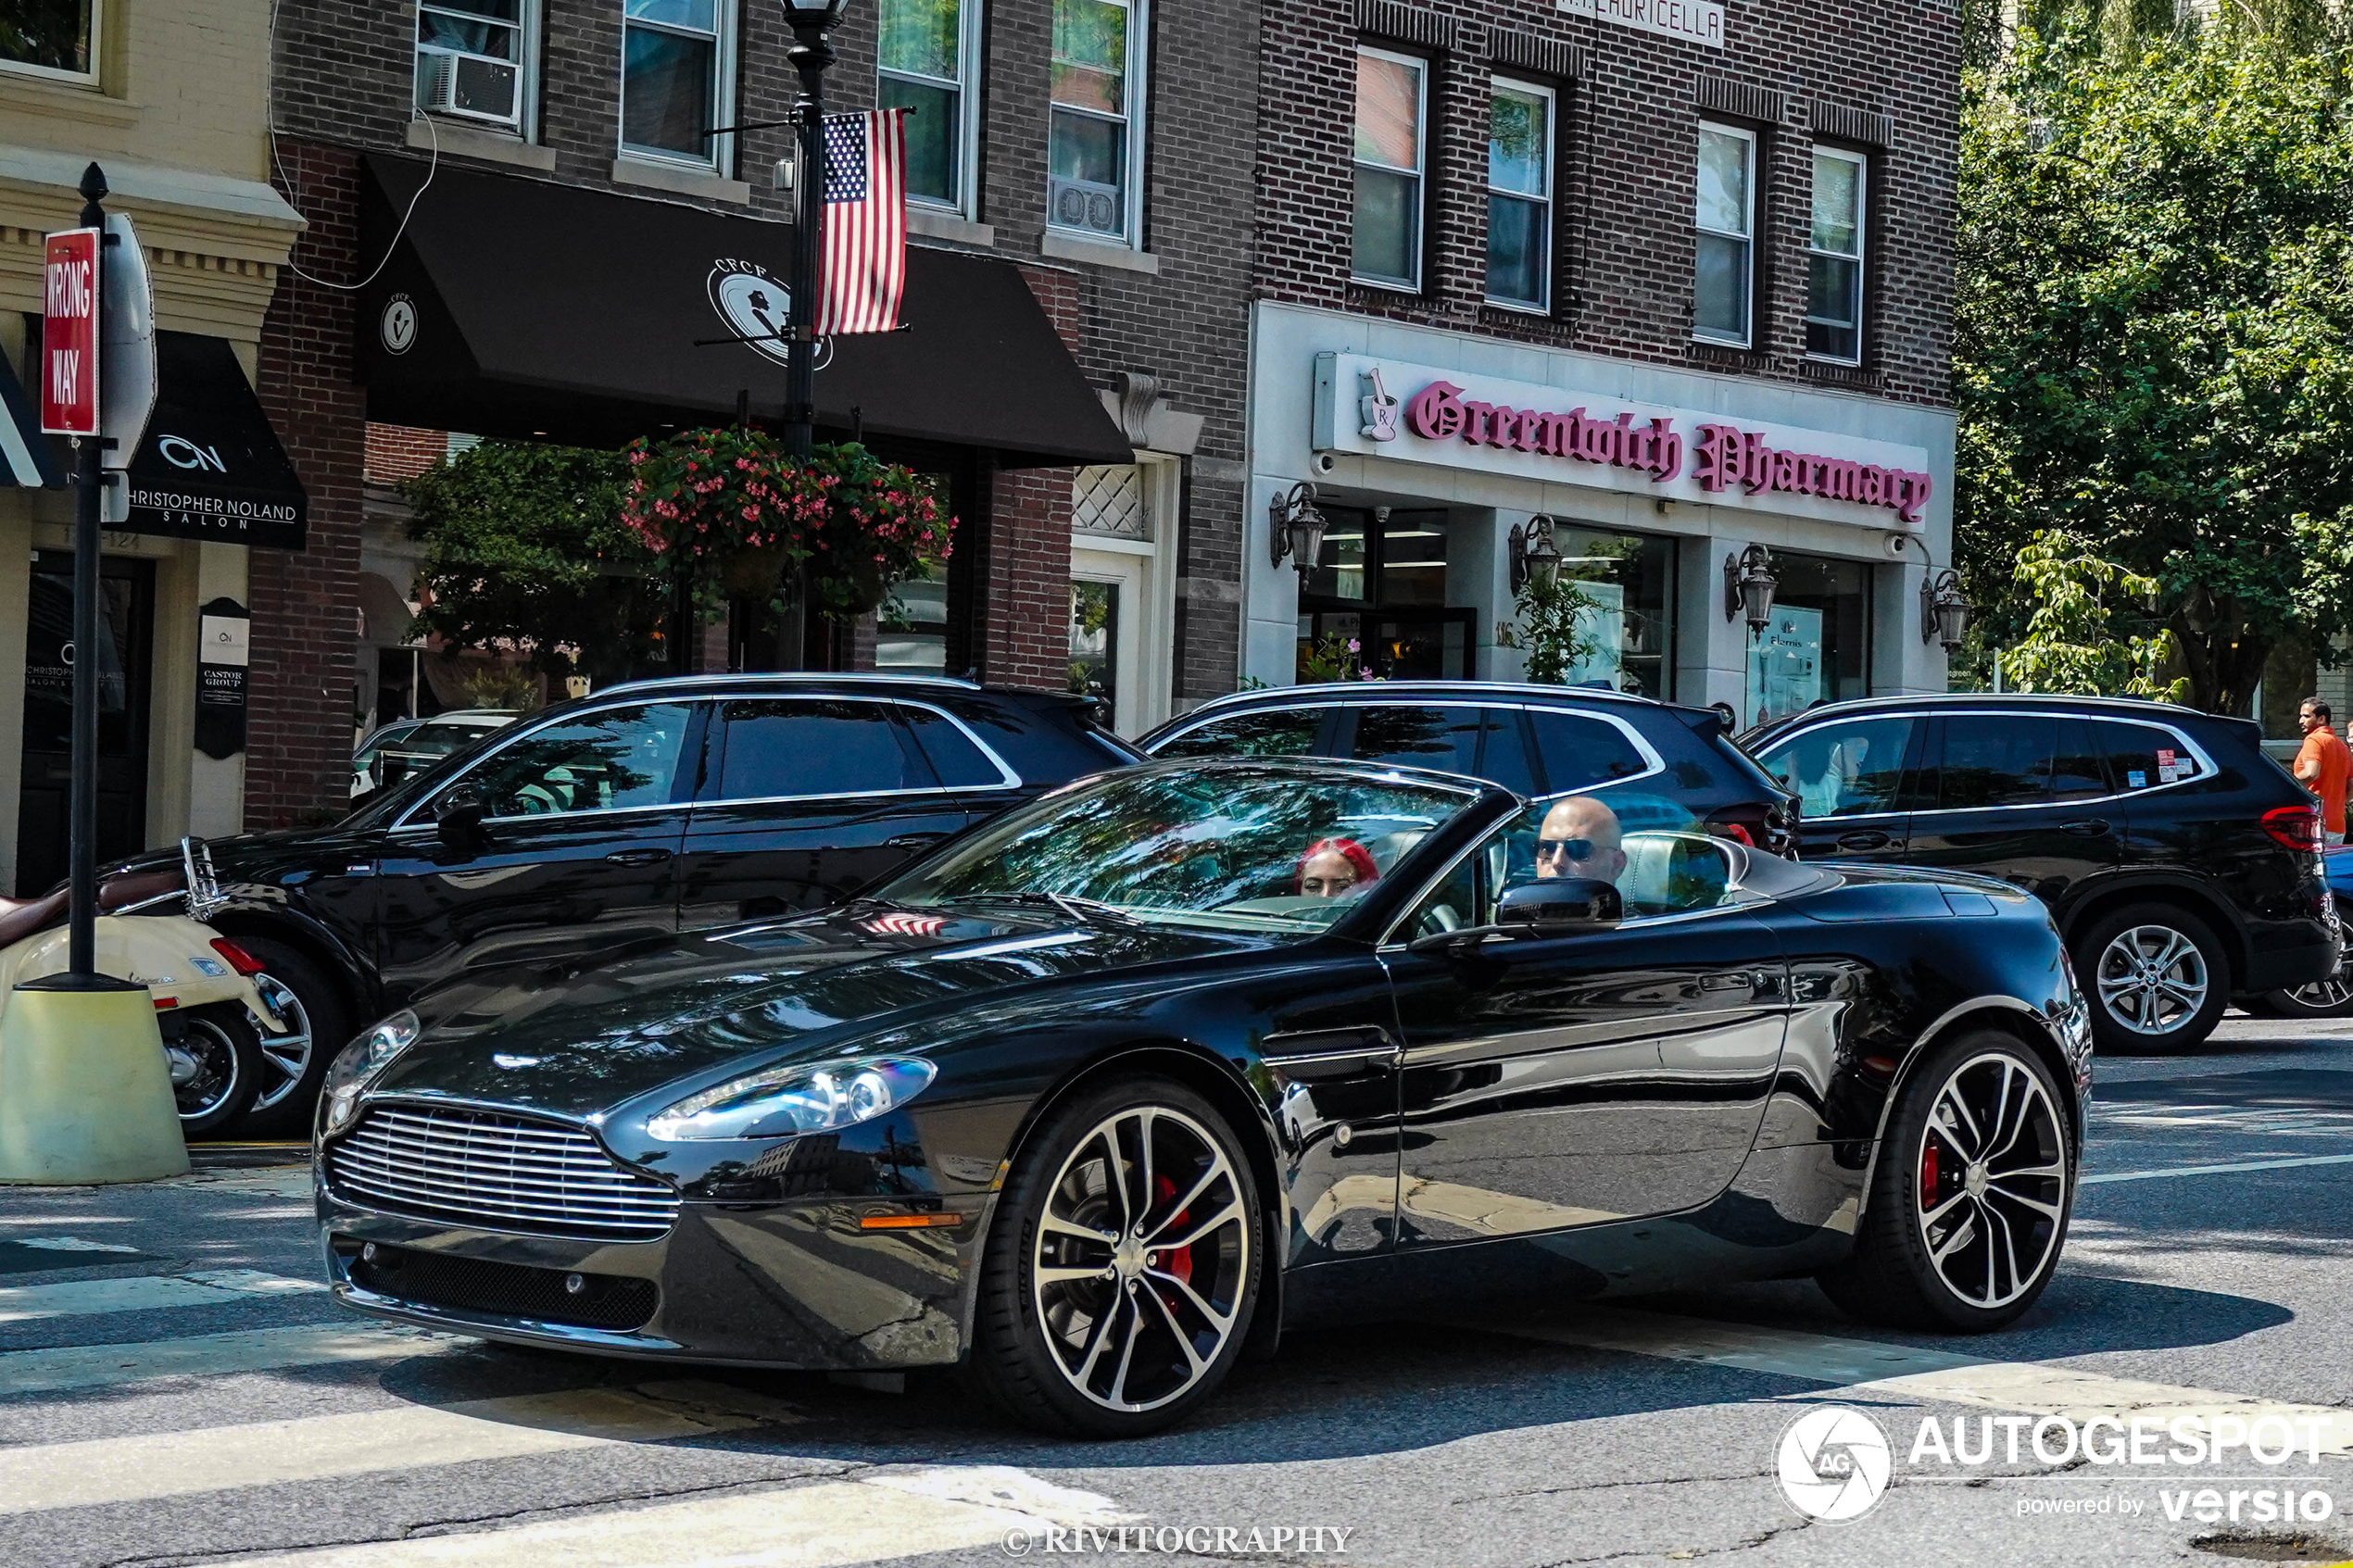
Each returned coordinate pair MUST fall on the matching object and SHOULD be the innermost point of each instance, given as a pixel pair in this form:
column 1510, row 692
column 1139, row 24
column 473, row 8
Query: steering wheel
column 1439, row 918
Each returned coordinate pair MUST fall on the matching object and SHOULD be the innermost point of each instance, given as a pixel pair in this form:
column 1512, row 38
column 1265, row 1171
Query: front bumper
column 796, row 1285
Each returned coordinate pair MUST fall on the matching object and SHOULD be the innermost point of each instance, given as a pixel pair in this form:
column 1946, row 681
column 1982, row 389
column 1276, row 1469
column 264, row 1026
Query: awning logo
column 756, row 306
column 1833, row 1463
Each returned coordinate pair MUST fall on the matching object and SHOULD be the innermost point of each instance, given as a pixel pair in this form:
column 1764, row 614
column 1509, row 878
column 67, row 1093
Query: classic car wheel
column 1122, row 1270
column 294, row 1064
column 215, row 1066
column 1971, row 1201
column 2158, row 979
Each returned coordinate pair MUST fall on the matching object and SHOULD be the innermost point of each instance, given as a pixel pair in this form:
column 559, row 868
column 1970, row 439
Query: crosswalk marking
column 249, row 1349
column 1865, row 1367
column 201, row 1287
column 826, row 1525
column 36, row 1477
column 2214, row 1170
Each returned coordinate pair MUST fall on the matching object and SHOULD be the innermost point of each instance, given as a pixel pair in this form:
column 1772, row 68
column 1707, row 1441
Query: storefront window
column 910, row 637
column 1816, row 648
column 1380, row 582
column 1094, row 642
column 1627, row 638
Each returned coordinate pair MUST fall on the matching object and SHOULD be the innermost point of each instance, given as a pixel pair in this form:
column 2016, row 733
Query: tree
column 525, row 548
column 2071, row 643
column 2154, row 332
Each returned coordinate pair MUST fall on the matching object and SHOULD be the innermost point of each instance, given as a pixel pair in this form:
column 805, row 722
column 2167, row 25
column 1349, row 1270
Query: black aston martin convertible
column 1097, row 1098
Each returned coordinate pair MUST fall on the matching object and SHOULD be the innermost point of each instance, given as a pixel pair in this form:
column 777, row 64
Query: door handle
column 1870, row 838
column 638, row 857
column 2089, row 827
column 913, row 841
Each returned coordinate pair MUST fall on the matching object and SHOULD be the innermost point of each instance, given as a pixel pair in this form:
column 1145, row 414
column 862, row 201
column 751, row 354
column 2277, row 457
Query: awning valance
column 210, row 466
column 518, row 308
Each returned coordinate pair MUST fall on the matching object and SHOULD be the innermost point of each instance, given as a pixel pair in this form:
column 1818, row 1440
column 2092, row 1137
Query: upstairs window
column 470, row 59
column 1725, row 271
column 1835, row 260
column 1094, row 144
column 676, row 73
column 925, row 62
column 1392, row 103
column 53, row 38
column 1519, row 196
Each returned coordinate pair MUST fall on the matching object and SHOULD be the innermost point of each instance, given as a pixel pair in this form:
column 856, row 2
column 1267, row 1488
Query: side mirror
column 1559, row 907
column 458, row 818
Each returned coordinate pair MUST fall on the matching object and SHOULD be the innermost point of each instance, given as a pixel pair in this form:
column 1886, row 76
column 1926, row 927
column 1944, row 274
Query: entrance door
column 126, row 633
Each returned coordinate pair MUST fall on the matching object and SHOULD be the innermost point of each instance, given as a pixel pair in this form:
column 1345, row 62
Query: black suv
column 1537, row 741
column 2181, row 863
column 640, row 811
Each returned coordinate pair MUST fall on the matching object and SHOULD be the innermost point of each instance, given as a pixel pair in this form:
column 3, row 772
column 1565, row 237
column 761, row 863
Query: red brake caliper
column 1928, row 1174
column 1178, row 1262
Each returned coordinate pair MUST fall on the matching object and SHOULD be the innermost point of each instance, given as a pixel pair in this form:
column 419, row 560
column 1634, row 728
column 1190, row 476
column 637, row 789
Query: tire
column 2158, row 976
column 1934, row 1264
column 215, row 1056
column 2330, row 997
column 294, row 1064
column 1044, row 1350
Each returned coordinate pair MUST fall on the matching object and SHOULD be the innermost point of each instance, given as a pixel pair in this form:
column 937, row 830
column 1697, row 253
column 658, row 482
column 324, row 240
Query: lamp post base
column 85, row 1093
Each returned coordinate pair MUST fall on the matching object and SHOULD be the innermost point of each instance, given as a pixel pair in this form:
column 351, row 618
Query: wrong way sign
column 70, row 289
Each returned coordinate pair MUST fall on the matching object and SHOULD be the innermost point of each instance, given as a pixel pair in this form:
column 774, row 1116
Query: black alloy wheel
column 295, row 1062
column 1972, row 1196
column 215, row 1060
column 2158, row 976
column 2329, row 996
column 1123, row 1266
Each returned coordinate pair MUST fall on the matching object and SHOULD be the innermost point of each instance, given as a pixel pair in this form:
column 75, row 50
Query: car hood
column 582, row 1042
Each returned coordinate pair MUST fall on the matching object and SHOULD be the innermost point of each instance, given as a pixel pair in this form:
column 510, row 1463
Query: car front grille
column 505, row 1290
column 496, row 1171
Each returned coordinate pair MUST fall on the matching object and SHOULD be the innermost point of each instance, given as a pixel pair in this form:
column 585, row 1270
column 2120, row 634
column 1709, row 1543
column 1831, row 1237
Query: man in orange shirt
column 2322, row 767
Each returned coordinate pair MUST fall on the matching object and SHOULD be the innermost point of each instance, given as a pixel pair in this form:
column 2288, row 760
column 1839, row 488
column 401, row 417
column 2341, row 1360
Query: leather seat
column 19, row 918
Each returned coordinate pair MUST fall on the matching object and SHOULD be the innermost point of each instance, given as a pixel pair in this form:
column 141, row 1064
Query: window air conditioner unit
column 473, row 85
column 1082, row 203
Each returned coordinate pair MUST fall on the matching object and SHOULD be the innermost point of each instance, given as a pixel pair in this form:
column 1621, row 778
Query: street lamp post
column 812, row 52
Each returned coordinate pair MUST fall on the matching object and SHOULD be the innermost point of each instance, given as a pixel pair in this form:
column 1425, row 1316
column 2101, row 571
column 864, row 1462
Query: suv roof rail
column 746, row 678
column 1417, row 688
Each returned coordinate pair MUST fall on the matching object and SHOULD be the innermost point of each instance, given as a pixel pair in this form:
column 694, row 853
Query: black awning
column 25, row 457
column 519, row 308
column 210, row 466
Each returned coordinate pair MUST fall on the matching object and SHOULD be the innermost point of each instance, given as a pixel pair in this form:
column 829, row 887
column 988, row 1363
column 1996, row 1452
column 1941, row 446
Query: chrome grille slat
column 499, row 1171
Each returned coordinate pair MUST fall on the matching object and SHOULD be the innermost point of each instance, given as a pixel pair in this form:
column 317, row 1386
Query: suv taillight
column 2297, row 827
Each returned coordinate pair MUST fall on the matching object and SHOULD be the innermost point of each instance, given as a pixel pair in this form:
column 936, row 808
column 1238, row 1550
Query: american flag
column 865, row 222
column 896, row 923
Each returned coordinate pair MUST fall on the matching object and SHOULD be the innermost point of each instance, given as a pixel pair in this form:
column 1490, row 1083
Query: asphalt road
column 195, row 1399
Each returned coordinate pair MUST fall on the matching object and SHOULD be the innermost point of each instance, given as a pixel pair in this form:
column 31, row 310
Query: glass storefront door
column 1816, row 648
column 126, row 635
column 1628, row 634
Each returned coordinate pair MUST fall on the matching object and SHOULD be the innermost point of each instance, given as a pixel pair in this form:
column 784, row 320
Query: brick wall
column 1884, row 76
column 398, row 452
column 1022, row 572
column 305, row 603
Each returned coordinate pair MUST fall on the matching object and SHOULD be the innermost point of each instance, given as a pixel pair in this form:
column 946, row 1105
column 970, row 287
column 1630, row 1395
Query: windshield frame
column 1480, row 806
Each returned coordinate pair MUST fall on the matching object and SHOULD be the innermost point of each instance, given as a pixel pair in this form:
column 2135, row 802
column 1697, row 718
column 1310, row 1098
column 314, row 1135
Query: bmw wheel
column 1972, row 1196
column 2158, row 979
column 1123, row 1267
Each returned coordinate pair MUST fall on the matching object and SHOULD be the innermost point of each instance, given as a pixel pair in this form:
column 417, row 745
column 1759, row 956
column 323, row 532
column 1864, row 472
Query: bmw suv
column 2182, row 864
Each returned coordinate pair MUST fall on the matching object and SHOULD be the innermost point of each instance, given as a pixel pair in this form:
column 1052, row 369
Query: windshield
column 1233, row 848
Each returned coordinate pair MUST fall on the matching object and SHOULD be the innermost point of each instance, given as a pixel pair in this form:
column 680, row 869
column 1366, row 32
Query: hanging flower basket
column 749, row 521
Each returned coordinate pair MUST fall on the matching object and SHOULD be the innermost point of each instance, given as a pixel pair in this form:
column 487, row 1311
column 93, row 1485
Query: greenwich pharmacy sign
column 1382, row 407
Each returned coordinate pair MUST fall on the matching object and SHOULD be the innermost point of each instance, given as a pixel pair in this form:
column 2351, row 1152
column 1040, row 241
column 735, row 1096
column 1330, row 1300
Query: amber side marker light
column 907, row 1221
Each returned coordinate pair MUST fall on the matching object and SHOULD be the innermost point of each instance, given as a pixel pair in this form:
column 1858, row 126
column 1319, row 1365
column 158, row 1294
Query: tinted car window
column 1580, row 751
column 814, row 747
column 1269, row 733
column 619, row 758
column 2141, row 755
column 1844, row 770
column 2076, row 773
column 1445, row 739
column 1995, row 759
column 1502, row 757
column 954, row 757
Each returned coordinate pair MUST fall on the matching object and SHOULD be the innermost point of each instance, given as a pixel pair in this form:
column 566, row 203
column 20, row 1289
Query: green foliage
column 1554, row 629
column 504, row 686
column 1331, row 659
column 525, row 550
column 2071, row 643
column 2154, row 335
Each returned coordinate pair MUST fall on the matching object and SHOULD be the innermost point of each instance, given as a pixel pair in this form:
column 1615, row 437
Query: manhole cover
column 2275, row 1548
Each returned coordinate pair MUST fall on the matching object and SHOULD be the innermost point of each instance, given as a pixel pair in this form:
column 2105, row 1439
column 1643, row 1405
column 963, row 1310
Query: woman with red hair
column 1335, row 868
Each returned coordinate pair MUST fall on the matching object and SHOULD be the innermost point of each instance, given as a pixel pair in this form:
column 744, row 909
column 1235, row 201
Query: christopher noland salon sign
column 1381, row 407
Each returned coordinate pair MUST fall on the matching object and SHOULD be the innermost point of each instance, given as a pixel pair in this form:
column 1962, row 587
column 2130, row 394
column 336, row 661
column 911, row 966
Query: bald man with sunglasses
column 1581, row 837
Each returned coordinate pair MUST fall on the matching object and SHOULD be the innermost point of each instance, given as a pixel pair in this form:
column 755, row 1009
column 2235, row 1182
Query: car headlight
column 361, row 1058
column 787, row 1100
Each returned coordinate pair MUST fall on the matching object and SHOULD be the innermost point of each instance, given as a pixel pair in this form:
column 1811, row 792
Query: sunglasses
column 1575, row 849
